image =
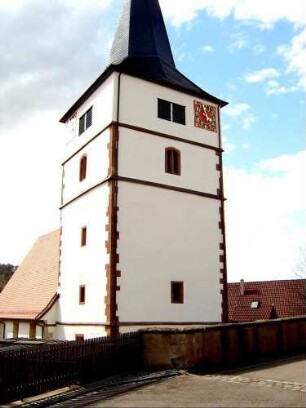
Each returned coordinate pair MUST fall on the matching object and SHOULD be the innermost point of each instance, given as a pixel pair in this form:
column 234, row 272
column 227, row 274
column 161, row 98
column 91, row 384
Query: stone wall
column 225, row 345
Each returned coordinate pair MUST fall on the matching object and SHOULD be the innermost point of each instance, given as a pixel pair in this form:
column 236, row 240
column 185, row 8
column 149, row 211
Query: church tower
column 142, row 212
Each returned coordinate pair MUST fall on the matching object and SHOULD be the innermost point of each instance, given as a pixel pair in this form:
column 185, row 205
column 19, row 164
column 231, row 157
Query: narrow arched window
column 83, row 167
column 173, row 161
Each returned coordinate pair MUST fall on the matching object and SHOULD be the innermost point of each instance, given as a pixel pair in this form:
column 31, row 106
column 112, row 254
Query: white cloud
column 181, row 56
column 284, row 163
column 207, row 49
column 275, row 88
column 181, row 11
column 248, row 120
column 245, row 146
column 50, row 52
column 86, row 4
column 238, row 42
column 265, row 218
column 16, row 5
column 12, row 5
column 259, row 49
column 236, row 109
column 267, row 13
column 31, row 154
column 263, row 13
column 295, row 57
column 228, row 146
column 241, row 112
column 261, row 75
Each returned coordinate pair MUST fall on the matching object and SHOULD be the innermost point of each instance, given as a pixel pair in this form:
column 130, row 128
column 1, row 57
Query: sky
column 250, row 53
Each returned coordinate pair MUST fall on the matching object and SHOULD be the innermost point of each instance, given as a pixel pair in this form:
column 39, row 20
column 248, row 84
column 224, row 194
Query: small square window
column 79, row 337
column 82, row 295
column 177, row 292
column 255, row 304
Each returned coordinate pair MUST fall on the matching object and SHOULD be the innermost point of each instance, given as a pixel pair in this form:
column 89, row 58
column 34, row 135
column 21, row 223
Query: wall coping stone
column 222, row 326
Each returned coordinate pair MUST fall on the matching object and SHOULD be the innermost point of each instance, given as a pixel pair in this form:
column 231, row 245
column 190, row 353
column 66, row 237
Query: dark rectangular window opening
column 164, row 109
column 83, row 168
column 179, row 114
column 15, row 329
column 171, row 111
column 85, row 121
column 173, row 161
column 32, row 331
column 89, row 118
column 82, row 295
column 84, row 236
column 177, row 292
column 79, row 337
column 82, row 125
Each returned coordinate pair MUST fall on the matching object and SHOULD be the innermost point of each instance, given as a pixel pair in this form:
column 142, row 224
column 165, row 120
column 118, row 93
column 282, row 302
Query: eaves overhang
column 134, row 68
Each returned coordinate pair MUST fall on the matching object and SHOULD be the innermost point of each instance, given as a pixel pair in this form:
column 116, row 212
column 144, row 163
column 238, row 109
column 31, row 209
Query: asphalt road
column 281, row 384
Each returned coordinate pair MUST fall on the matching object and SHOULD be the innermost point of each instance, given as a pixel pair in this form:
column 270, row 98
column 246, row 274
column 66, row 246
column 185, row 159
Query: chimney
column 241, row 287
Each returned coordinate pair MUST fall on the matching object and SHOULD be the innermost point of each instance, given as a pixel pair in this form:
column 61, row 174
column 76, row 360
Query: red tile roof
column 32, row 288
column 281, row 298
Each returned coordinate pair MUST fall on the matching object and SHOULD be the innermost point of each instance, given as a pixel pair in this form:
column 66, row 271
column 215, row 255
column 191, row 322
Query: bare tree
column 6, row 272
column 300, row 271
column 301, row 264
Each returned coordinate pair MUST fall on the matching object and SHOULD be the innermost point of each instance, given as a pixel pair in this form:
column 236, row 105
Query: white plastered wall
column 142, row 156
column 97, row 153
column 167, row 236
column 104, row 108
column 50, row 319
column 23, row 330
column 84, row 265
column 65, row 332
column 8, row 329
column 138, row 107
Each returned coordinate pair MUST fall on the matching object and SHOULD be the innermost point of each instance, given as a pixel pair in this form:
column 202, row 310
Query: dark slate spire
column 141, row 33
column 141, row 49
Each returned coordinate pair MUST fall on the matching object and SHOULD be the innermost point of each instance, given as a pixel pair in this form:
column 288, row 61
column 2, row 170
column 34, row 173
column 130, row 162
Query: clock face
column 205, row 116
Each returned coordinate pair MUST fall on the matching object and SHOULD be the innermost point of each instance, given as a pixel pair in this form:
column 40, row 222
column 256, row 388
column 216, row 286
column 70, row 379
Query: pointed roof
column 141, row 48
column 141, row 33
column 32, row 290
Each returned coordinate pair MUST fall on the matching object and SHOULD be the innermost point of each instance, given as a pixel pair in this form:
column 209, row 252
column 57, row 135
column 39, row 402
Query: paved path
column 281, row 384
